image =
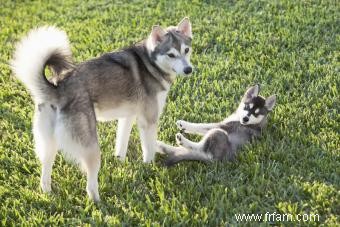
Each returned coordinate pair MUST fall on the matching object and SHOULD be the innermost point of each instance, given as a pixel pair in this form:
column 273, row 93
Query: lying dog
column 221, row 140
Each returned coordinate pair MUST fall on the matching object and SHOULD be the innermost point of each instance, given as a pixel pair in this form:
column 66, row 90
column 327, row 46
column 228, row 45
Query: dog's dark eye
column 186, row 50
column 171, row 55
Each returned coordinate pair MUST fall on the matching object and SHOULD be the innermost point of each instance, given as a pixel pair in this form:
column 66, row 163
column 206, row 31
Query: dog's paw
column 93, row 194
column 46, row 186
column 180, row 124
column 179, row 138
column 120, row 158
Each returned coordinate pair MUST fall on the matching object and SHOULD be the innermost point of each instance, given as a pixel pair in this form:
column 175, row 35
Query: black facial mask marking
column 258, row 103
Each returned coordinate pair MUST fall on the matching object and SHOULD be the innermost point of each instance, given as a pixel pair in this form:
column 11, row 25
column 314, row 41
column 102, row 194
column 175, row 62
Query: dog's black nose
column 187, row 70
column 245, row 119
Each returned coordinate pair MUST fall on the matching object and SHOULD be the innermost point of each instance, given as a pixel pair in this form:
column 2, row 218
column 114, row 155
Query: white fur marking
column 255, row 120
column 183, row 47
column 173, row 66
column 165, row 64
column 123, row 135
column 161, row 100
column 233, row 117
column 241, row 113
column 45, row 143
column 80, row 154
column 179, row 66
column 174, row 51
column 148, row 136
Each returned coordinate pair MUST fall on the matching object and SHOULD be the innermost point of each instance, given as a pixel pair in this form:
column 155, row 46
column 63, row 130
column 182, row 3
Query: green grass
column 290, row 47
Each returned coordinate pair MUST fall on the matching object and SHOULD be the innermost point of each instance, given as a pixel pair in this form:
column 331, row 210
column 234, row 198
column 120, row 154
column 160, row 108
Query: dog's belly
column 109, row 114
column 237, row 139
column 111, row 111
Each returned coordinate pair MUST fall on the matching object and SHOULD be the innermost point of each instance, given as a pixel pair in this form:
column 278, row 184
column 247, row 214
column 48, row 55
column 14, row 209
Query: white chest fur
column 161, row 99
column 233, row 117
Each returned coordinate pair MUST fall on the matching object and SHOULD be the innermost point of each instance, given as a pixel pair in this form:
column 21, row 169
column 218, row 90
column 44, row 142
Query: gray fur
column 106, row 82
column 112, row 80
column 221, row 140
column 128, row 84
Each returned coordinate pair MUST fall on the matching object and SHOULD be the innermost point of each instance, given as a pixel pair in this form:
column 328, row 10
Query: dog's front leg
column 148, row 136
column 196, row 128
column 123, row 135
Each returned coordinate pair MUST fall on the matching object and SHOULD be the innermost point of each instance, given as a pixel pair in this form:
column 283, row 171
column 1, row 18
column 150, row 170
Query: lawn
column 290, row 47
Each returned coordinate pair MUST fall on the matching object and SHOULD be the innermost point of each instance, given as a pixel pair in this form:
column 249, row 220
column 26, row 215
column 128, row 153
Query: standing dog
column 221, row 140
column 129, row 84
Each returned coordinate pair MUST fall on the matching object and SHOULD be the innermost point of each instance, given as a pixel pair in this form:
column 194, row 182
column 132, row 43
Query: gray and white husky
column 126, row 85
column 221, row 140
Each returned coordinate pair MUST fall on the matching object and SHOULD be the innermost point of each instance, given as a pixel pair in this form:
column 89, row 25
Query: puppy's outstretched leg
column 179, row 154
column 195, row 128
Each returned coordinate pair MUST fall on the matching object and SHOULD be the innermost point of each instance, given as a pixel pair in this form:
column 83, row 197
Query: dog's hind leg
column 77, row 137
column 45, row 143
column 123, row 134
column 168, row 149
column 182, row 141
column 178, row 154
column 91, row 165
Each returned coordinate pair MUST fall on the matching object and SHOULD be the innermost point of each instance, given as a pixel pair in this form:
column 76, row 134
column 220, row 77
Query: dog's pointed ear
column 155, row 37
column 184, row 27
column 252, row 92
column 270, row 102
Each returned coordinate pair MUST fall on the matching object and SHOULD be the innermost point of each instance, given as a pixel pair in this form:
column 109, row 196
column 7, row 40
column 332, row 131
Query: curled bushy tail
column 44, row 46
